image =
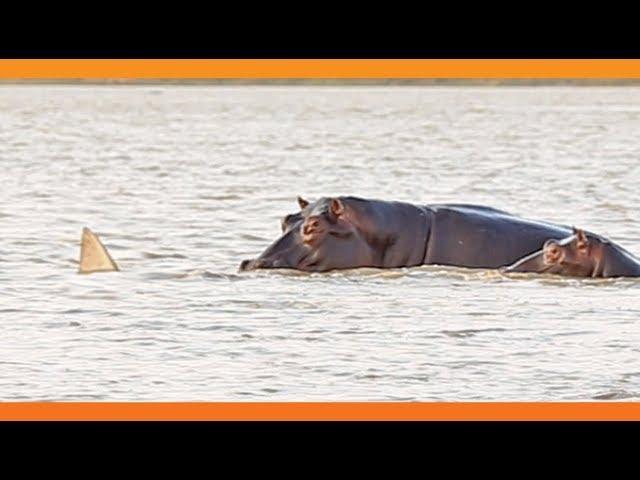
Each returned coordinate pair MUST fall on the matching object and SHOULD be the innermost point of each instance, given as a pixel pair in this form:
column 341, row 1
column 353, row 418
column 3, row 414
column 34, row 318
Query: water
column 182, row 183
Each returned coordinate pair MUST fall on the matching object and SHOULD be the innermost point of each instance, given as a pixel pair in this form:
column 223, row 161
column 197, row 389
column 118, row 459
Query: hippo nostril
column 244, row 265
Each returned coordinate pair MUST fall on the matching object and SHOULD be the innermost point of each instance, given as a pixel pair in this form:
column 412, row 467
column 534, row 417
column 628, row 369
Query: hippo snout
column 247, row 265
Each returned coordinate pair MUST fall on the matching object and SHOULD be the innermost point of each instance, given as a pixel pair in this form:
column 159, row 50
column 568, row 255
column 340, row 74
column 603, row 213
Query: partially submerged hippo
column 579, row 255
column 349, row 232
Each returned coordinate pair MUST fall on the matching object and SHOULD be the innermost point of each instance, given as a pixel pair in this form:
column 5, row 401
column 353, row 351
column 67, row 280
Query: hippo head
column 317, row 238
column 570, row 256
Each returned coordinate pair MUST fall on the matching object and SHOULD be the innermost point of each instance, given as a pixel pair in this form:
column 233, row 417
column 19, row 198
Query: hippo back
column 483, row 237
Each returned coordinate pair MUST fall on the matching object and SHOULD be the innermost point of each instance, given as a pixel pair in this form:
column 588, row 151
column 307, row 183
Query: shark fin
column 94, row 257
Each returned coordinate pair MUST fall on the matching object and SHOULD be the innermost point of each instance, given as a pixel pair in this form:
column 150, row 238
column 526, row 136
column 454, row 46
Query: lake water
column 184, row 182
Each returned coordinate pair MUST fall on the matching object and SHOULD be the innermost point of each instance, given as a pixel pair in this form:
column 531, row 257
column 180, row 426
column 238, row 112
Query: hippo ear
column 337, row 207
column 581, row 238
column 303, row 203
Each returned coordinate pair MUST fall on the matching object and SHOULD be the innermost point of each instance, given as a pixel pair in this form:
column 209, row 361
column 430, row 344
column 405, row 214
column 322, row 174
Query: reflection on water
column 182, row 183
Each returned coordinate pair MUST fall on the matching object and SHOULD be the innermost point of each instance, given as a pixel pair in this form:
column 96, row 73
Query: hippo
column 347, row 232
column 579, row 255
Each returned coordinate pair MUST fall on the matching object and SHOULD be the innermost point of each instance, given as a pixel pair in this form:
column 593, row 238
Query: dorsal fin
column 94, row 256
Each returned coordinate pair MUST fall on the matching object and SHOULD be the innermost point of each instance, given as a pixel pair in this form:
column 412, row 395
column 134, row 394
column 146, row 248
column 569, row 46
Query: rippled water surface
column 182, row 183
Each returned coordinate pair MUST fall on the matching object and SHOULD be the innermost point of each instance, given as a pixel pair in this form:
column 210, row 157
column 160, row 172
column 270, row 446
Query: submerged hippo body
column 579, row 255
column 349, row 232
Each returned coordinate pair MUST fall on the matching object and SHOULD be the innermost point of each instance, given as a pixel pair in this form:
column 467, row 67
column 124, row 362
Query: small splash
column 278, row 272
column 375, row 273
column 461, row 273
column 565, row 281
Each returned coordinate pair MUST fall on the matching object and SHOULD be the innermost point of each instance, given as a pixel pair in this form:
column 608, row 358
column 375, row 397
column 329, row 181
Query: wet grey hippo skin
column 582, row 254
column 349, row 232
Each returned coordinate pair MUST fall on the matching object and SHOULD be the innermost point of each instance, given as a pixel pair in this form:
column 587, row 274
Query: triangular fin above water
column 94, row 257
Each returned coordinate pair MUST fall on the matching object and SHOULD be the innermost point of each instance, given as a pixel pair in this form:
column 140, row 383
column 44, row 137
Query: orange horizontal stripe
column 320, row 69
column 400, row 411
